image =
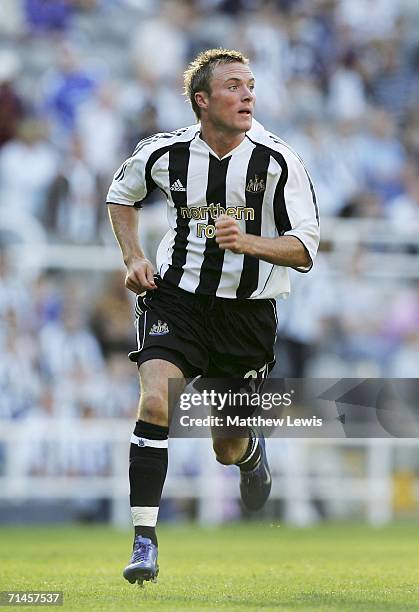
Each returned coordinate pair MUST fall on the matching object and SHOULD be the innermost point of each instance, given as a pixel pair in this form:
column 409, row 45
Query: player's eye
column 233, row 87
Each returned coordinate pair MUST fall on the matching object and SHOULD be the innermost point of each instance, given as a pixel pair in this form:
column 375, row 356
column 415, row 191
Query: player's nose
column 247, row 93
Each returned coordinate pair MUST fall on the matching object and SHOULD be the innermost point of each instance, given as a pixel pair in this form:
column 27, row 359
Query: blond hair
column 197, row 76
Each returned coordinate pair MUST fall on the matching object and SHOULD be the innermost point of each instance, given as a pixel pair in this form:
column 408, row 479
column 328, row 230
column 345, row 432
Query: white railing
column 298, row 480
column 395, row 259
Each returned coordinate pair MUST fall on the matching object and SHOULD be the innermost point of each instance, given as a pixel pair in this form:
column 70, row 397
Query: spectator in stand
column 28, row 165
column 14, row 295
column 403, row 332
column 12, row 19
column 78, row 388
column 347, row 96
column 410, row 134
column 363, row 319
column 392, row 82
column 404, row 209
column 308, row 321
column 335, row 169
column 48, row 15
column 111, row 318
column 69, row 343
column 20, row 381
column 412, row 103
column 66, row 455
column 11, row 103
column 364, row 204
column 73, row 205
column 368, row 19
column 117, row 395
column 142, row 122
column 158, row 73
column 102, row 147
column 46, row 299
column 65, row 88
column 404, row 362
column 382, row 156
column 167, row 27
column 100, row 392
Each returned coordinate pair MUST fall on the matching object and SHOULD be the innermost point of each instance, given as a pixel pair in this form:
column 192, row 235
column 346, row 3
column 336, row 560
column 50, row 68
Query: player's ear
column 201, row 99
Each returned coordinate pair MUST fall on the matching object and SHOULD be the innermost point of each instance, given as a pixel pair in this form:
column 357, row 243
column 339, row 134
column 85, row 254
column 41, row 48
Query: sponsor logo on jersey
column 159, row 329
column 177, row 186
column 255, row 185
column 237, row 211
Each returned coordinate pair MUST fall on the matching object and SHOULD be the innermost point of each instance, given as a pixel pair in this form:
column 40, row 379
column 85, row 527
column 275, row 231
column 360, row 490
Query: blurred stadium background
column 81, row 81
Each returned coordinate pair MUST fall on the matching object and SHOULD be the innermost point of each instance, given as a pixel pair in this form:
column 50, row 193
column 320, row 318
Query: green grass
column 240, row 567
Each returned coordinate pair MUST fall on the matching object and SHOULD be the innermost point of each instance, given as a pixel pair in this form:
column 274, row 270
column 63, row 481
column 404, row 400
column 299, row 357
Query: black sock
column 146, row 532
column 251, row 457
column 147, row 473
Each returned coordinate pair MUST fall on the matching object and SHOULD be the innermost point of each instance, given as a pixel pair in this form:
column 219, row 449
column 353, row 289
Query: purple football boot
column 143, row 565
column 255, row 486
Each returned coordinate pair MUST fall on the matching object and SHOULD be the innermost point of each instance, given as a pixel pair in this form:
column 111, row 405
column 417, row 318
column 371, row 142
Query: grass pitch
column 240, row 567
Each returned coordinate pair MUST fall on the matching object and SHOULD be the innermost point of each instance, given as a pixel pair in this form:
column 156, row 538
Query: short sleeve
column 129, row 183
column 301, row 208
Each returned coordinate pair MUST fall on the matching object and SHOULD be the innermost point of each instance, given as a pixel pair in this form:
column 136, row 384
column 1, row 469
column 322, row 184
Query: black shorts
column 205, row 335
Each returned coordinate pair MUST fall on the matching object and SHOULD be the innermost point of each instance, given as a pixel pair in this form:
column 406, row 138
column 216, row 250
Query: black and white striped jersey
column 261, row 183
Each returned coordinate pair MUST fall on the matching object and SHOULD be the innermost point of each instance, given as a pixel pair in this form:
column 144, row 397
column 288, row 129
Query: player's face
column 230, row 104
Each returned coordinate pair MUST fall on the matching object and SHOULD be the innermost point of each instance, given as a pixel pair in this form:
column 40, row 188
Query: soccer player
column 241, row 210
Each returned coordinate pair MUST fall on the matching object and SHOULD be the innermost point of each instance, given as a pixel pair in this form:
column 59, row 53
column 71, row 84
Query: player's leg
column 229, row 451
column 168, row 347
column 148, row 464
column 246, row 449
column 244, row 354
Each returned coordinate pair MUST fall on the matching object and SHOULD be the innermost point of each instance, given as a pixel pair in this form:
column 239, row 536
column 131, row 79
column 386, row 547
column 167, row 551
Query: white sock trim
column 146, row 442
column 146, row 516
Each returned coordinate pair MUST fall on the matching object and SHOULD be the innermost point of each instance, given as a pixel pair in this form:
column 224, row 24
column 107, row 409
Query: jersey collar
column 245, row 143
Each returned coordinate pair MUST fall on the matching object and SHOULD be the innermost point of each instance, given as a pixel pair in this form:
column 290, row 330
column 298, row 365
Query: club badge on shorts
column 159, row 329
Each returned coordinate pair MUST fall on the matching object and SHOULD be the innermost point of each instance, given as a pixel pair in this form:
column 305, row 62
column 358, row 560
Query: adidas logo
column 159, row 329
column 177, row 186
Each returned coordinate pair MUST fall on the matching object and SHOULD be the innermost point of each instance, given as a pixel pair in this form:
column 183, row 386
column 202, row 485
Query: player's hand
column 140, row 276
column 228, row 234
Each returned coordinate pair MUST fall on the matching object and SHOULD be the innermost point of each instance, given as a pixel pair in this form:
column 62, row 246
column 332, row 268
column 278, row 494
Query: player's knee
column 153, row 408
column 226, row 452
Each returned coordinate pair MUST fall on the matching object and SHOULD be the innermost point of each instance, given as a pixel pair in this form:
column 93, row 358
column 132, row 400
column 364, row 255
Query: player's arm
column 297, row 224
column 127, row 191
column 281, row 251
column 140, row 271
